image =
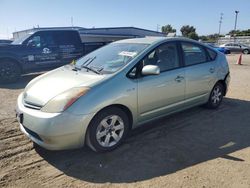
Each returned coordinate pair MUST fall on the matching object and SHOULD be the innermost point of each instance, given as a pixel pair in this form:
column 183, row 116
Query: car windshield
column 110, row 58
column 21, row 39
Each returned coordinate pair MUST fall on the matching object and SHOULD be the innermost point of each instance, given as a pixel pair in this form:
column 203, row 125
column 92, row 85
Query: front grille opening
column 32, row 105
column 32, row 133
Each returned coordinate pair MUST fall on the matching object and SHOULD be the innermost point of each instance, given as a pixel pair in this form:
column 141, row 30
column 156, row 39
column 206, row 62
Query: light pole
column 220, row 22
column 235, row 23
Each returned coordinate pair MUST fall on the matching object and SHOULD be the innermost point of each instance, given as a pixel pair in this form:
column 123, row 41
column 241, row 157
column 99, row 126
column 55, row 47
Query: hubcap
column 110, row 130
column 216, row 95
column 7, row 72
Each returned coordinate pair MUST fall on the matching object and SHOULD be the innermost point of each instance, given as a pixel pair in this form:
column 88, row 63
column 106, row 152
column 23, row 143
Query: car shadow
column 20, row 84
column 163, row 147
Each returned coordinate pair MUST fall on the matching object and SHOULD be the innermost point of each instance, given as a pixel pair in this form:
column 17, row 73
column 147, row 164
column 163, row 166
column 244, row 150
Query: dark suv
column 42, row 50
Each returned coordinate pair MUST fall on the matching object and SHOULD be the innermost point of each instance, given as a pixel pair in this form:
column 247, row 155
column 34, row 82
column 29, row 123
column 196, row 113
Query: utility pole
column 157, row 27
column 220, row 22
column 235, row 23
column 72, row 21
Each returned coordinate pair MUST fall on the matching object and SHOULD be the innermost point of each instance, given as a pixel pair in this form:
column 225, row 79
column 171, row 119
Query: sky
column 204, row 15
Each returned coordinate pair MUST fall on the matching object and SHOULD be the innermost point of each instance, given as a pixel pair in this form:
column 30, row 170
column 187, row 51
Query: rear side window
column 193, row 54
column 67, row 38
column 212, row 54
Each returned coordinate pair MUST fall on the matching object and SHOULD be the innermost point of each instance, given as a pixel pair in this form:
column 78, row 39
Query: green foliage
column 189, row 31
column 168, row 29
column 240, row 32
column 186, row 30
column 193, row 35
column 210, row 38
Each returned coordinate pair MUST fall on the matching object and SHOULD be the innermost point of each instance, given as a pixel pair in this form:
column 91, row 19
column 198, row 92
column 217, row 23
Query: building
column 239, row 39
column 110, row 34
column 96, row 35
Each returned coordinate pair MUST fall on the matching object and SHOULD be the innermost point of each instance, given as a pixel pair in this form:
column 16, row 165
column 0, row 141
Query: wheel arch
column 13, row 60
column 120, row 106
column 223, row 82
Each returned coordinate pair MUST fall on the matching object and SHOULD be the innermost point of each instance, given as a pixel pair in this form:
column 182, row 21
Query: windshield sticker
column 129, row 54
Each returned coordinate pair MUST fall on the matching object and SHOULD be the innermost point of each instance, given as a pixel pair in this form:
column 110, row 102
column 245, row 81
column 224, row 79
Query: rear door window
column 193, row 53
column 67, row 38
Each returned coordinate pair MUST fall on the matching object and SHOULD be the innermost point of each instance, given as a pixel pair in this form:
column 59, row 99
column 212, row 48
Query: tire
column 9, row 71
column 107, row 130
column 246, row 51
column 216, row 96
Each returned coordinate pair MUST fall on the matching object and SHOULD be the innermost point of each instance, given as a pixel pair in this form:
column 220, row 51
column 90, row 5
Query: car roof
column 152, row 40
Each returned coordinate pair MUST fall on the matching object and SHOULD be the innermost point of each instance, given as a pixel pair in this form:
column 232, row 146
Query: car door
column 230, row 47
column 163, row 93
column 238, row 47
column 199, row 72
column 41, row 51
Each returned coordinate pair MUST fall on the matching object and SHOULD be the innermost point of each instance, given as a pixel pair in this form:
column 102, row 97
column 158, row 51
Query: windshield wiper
column 88, row 61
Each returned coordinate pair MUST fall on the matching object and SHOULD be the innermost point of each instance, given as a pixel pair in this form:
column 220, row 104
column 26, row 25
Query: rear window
column 212, row 54
column 193, row 53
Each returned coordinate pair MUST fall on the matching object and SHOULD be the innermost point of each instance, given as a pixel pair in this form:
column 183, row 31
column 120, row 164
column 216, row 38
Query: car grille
column 31, row 105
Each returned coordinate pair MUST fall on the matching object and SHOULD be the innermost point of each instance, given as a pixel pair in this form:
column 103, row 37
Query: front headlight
column 64, row 100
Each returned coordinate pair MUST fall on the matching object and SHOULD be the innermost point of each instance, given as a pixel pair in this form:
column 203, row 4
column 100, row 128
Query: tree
column 189, row 31
column 186, row 29
column 240, row 32
column 193, row 35
column 168, row 29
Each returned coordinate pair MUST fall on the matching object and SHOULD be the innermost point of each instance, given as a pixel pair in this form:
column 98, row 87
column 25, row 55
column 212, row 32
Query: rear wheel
column 246, row 51
column 216, row 96
column 107, row 130
column 9, row 71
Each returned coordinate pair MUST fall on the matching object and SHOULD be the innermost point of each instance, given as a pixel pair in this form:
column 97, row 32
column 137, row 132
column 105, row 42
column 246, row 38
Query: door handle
column 179, row 78
column 211, row 70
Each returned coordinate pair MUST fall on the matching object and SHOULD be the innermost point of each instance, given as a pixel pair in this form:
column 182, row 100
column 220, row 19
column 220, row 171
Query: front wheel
column 216, row 96
column 107, row 130
column 9, row 71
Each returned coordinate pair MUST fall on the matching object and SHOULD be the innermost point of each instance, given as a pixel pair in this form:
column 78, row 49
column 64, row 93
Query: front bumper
column 53, row 131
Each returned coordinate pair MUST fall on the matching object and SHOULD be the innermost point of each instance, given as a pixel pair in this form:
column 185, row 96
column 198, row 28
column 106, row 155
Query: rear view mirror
column 150, row 70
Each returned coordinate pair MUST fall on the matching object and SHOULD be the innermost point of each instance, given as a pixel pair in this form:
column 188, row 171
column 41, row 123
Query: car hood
column 4, row 47
column 45, row 87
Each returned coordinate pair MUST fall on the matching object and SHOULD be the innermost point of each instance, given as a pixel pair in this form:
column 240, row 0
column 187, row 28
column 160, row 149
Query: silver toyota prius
column 99, row 98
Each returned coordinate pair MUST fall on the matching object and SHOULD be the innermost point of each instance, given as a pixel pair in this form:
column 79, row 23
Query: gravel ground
column 194, row 148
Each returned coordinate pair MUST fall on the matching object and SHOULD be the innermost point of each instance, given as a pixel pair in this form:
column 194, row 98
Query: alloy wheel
column 216, row 95
column 110, row 131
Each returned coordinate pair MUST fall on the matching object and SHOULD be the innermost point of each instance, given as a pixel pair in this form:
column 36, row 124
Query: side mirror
column 150, row 70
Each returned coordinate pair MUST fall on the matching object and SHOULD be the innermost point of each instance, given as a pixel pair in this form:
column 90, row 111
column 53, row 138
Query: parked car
column 236, row 47
column 108, row 92
column 40, row 51
column 220, row 49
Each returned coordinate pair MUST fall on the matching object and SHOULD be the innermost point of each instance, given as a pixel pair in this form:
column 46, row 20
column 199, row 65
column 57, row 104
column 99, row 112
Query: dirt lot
column 194, row 148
